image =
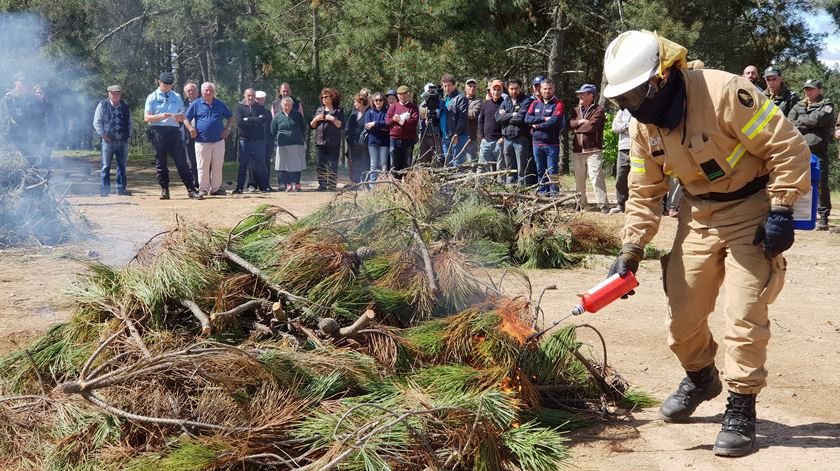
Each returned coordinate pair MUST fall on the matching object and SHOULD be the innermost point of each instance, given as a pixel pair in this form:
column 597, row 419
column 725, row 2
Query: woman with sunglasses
column 327, row 123
column 377, row 139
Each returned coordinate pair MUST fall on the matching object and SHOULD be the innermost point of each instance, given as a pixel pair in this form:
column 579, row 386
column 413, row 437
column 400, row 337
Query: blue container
column 805, row 209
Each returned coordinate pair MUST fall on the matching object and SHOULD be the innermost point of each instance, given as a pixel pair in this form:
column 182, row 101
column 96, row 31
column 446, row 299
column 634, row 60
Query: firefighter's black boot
column 696, row 387
column 737, row 436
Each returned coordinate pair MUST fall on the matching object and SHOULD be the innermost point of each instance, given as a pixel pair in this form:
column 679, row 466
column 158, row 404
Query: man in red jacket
column 588, row 156
column 402, row 121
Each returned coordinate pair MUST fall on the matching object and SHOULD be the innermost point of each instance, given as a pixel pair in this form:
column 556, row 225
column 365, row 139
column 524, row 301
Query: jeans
column 452, row 152
column 546, row 158
column 489, row 152
column 166, row 140
column 379, row 160
column 116, row 149
column 251, row 151
column 622, row 172
column 327, row 166
column 470, row 149
column 517, row 156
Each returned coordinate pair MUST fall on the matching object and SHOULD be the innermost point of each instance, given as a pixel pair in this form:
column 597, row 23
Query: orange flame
column 512, row 322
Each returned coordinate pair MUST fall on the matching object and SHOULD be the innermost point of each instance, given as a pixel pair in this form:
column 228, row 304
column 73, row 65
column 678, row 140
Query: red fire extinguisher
column 605, row 292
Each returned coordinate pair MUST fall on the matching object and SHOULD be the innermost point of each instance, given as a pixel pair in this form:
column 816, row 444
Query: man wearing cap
column 112, row 122
column 536, row 86
column 813, row 116
column 473, row 107
column 778, row 91
column 402, row 119
column 164, row 110
column 751, row 74
column 18, row 117
column 269, row 149
column 742, row 166
column 491, row 131
column 251, row 118
column 588, row 157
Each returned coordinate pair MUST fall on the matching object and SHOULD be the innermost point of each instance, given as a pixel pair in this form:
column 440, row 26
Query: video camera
column 431, row 101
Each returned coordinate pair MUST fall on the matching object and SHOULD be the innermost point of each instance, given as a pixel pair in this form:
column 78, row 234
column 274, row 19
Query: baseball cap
column 471, row 80
column 772, row 71
column 115, row 88
column 20, row 76
column 391, row 92
column 538, row 80
column 812, row 83
column 402, row 89
column 167, row 78
column 497, row 82
column 587, row 88
column 259, row 94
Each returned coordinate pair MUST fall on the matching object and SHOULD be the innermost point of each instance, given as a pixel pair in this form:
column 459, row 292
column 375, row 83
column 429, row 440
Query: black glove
column 776, row 233
column 628, row 260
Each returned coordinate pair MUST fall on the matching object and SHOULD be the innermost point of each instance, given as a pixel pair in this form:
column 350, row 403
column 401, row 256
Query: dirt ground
column 799, row 412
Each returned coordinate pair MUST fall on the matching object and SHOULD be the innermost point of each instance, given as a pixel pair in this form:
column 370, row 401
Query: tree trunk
column 555, row 55
column 316, row 43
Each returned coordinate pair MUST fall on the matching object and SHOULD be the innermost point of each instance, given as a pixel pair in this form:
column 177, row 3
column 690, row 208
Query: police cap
column 772, row 72
column 812, row 83
column 167, row 78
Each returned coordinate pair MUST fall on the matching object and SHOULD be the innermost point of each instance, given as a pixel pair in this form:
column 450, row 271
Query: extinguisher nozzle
column 578, row 310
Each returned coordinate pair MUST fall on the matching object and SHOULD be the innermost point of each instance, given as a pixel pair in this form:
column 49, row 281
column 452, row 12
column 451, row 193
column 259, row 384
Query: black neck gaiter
column 665, row 109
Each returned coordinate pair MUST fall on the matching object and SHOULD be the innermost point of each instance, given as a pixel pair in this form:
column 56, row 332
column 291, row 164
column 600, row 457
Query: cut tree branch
column 196, row 311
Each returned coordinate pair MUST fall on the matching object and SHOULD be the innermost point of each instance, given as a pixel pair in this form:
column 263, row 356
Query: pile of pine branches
column 29, row 212
column 359, row 337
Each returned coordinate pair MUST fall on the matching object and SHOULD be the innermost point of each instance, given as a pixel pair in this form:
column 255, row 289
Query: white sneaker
column 615, row 210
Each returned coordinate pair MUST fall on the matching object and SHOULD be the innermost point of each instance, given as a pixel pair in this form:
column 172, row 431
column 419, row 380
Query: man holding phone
column 163, row 111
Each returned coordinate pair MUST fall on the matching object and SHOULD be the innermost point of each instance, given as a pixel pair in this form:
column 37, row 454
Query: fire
column 512, row 322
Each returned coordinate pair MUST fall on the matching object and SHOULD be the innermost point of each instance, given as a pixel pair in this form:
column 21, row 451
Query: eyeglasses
column 324, row 96
column 377, row 99
column 633, row 99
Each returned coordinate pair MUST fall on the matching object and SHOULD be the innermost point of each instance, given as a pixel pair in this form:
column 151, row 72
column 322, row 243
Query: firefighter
column 742, row 166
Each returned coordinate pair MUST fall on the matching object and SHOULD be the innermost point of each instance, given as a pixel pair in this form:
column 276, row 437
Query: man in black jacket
column 517, row 135
column 251, row 119
column 778, row 91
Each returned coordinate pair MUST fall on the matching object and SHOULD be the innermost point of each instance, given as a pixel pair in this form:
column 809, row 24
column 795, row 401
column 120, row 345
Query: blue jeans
column 453, row 153
column 113, row 150
column 379, row 160
column 547, row 160
column 251, row 151
column 489, row 151
column 470, row 151
column 517, row 156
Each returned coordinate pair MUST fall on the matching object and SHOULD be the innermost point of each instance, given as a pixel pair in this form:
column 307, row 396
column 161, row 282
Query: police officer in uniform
column 814, row 117
column 742, row 166
column 778, row 91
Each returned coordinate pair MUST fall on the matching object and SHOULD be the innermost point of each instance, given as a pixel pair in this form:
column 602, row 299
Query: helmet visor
column 635, row 97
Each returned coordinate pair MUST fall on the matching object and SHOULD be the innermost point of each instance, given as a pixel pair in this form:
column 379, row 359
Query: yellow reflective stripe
column 760, row 120
column 637, row 165
column 669, row 173
column 736, row 155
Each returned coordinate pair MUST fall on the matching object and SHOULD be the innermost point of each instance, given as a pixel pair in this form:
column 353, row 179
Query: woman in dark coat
column 356, row 140
column 327, row 123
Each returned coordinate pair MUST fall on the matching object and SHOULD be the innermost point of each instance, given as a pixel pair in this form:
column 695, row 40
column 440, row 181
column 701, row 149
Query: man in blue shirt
column 453, row 121
column 205, row 122
column 164, row 110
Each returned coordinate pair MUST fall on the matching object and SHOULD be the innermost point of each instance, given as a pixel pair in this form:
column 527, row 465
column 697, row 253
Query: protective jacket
column 731, row 136
column 784, row 100
column 814, row 121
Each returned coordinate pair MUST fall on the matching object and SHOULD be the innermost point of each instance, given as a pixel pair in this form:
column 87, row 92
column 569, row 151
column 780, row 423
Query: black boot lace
column 740, row 414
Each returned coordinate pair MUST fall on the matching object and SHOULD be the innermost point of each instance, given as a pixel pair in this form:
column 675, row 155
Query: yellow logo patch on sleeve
column 745, row 98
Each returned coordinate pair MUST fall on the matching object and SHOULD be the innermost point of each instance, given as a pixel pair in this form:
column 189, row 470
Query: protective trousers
column 713, row 247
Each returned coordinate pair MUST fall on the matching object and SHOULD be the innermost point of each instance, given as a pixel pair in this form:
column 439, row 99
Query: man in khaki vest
column 742, row 166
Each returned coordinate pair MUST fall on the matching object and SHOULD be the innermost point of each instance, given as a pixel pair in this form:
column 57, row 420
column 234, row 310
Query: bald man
column 751, row 74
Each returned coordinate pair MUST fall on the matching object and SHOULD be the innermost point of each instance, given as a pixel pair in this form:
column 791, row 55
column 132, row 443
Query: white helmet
column 631, row 59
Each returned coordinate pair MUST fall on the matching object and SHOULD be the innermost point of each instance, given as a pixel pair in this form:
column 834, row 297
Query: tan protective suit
column 731, row 135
